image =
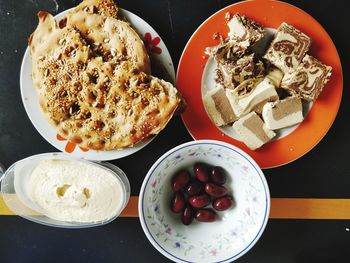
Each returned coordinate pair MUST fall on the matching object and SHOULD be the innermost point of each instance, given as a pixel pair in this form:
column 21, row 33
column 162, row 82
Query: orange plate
column 270, row 14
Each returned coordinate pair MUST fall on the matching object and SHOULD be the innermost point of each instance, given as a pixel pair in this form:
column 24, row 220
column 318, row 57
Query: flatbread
column 51, row 45
column 119, row 110
column 106, row 8
column 111, row 38
column 96, row 103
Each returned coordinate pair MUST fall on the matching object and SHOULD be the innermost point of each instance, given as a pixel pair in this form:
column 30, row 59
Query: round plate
column 270, row 14
column 159, row 55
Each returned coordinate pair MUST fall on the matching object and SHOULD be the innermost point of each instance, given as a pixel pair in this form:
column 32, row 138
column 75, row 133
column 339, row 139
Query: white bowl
column 236, row 230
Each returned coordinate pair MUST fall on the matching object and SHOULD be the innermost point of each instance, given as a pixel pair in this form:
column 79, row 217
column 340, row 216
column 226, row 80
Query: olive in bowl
column 198, row 192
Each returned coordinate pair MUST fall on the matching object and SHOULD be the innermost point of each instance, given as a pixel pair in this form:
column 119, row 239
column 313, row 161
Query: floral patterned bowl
column 224, row 240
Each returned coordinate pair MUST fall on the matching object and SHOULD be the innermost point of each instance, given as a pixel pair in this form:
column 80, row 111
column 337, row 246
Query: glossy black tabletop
column 324, row 172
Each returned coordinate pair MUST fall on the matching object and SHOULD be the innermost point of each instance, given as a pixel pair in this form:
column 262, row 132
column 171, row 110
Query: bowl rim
column 237, row 150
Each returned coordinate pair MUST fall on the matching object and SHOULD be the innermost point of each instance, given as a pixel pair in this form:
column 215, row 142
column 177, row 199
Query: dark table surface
column 322, row 173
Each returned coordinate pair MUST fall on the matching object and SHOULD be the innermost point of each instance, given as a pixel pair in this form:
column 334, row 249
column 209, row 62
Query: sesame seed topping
column 47, row 72
column 113, row 52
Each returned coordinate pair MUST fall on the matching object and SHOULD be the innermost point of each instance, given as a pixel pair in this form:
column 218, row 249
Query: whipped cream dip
column 75, row 191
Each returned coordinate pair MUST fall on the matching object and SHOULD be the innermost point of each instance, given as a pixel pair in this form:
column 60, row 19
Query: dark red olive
column 223, row 203
column 201, row 172
column 180, row 180
column 178, row 202
column 187, row 215
column 194, row 188
column 215, row 190
column 217, row 175
column 205, row 215
column 199, row 201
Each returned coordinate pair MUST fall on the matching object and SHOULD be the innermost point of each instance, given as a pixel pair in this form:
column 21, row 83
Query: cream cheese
column 75, row 191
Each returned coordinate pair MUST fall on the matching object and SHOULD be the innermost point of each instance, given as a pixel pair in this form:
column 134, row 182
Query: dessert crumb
column 227, row 16
column 216, row 35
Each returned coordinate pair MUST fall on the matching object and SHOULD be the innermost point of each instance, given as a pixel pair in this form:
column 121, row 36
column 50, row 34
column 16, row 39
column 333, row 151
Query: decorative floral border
column 70, row 146
column 152, row 43
column 234, row 237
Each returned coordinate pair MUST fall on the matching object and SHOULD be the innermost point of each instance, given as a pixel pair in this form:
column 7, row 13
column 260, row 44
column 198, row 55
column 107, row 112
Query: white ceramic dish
column 30, row 99
column 15, row 196
column 224, row 240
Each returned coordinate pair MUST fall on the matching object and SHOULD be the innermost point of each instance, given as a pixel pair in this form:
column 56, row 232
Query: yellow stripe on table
column 281, row 208
column 309, row 208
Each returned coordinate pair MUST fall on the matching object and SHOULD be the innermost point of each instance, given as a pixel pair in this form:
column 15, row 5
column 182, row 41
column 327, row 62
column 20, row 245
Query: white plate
column 31, row 100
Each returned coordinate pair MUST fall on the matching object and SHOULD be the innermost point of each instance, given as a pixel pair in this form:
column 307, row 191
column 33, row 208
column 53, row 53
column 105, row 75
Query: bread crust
column 102, row 7
column 111, row 38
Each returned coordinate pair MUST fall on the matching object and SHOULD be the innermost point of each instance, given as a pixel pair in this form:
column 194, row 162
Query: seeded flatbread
column 50, row 46
column 112, row 110
column 111, row 38
column 96, row 103
column 101, row 7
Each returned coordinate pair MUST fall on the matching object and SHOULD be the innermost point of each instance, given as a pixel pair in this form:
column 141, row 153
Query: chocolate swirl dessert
column 260, row 95
column 308, row 80
column 288, row 48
